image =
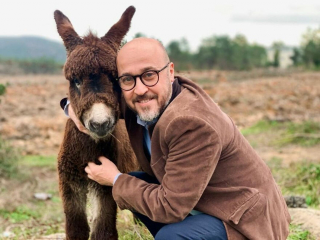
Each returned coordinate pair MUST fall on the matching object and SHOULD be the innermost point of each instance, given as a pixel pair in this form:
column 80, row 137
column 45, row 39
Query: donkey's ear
column 116, row 33
column 66, row 31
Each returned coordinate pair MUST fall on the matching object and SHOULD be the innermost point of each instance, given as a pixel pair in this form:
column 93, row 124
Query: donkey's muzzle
column 100, row 129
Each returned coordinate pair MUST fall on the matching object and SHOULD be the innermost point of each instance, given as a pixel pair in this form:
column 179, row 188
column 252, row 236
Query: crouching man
column 201, row 179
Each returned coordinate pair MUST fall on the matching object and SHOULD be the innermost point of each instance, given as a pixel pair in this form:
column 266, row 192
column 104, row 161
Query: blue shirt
column 146, row 136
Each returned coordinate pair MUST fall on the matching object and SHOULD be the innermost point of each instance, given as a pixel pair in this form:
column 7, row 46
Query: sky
column 261, row 21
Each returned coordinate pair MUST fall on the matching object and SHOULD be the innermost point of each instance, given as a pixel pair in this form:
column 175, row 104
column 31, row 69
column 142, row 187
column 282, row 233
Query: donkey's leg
column 105, row 211
column 74, row 196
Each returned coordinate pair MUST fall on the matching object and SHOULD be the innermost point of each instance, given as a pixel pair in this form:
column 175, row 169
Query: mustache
column 144, row 97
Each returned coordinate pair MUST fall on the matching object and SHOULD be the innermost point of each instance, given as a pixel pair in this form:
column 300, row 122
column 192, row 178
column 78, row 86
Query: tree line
column 30, row 66
column 218, row 52
column 214, row 52
column 226, row 53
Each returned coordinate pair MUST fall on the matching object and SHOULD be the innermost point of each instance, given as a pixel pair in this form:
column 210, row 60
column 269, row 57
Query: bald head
column 142, row 49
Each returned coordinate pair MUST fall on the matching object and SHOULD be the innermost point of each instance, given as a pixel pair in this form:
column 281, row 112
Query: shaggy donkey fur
column 90, row 69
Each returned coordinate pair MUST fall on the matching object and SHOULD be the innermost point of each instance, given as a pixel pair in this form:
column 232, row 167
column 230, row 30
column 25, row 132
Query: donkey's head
column 91, row 70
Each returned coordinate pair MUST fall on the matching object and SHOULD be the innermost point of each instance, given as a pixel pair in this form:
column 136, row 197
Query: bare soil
column 308, row 218
column 31, row 117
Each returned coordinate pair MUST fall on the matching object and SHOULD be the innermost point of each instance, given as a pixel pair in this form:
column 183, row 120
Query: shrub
column 2, row 89
column 8, row 160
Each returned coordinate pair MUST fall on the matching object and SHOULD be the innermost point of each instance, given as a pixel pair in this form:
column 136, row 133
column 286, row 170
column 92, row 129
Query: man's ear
column 171, row 71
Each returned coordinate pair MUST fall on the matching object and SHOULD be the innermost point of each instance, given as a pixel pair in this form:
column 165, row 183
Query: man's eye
column 127, row 79
column 149, row 75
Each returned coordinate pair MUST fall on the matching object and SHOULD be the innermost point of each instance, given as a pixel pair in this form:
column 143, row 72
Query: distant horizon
column 61, row 42
column 262, row 22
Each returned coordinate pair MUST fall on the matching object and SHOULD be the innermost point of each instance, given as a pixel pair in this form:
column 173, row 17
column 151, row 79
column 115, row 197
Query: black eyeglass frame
column 140, row 77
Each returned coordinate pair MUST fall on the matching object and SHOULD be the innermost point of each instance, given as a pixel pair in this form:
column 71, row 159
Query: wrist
column 116, row 177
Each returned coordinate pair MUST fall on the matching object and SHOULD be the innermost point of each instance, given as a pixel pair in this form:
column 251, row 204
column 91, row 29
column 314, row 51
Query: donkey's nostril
column 99, row 128
column 94, row 125
column 106, row 125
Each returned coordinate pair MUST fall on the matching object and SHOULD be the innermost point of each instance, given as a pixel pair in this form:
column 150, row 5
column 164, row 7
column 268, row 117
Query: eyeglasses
column 149, row 78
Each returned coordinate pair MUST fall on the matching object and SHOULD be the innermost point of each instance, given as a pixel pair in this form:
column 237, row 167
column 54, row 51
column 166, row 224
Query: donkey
column 91, row 69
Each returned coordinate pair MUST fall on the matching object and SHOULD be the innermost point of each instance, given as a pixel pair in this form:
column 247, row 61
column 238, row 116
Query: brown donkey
column 91, row 69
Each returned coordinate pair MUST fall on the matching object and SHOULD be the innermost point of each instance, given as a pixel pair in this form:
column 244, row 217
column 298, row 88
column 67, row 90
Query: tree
column 310, row 47
column 277, row 46
column 139, row 34
column 215, row 52
column 179, row 53
column 296, row 57
column 222, row 52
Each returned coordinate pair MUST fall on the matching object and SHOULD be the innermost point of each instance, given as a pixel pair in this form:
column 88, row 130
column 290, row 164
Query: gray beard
column 149, row 115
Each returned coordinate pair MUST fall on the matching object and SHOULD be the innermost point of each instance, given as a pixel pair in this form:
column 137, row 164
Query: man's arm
column 68, row 110
column 194, row 150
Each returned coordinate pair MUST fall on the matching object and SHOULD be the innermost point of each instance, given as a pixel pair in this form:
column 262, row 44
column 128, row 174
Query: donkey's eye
column 77, row 82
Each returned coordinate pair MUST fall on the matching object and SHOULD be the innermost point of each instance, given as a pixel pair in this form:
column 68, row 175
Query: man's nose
column 140, row 88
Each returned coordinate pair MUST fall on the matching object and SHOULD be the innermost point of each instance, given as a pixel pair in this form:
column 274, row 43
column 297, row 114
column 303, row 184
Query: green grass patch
column 297, row 233
column 129, row 230
column 39, row 161
column 35, row 230
column 301, row 178
column 20, row 214
column 261, row 127
column 305, row 134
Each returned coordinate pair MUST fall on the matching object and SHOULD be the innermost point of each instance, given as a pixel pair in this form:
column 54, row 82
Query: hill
column 31, row 47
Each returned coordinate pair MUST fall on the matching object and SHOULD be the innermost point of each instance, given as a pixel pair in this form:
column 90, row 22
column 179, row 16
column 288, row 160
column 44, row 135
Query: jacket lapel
column 135, row 132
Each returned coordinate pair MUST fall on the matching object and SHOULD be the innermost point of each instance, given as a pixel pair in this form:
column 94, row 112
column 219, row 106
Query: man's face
column 136, row 58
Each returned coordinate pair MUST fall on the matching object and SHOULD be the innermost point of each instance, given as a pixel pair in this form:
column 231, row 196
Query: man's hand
column 74, row 118
column 103, row 174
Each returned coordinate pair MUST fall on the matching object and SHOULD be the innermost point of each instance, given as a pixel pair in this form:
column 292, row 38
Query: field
column 279, row 114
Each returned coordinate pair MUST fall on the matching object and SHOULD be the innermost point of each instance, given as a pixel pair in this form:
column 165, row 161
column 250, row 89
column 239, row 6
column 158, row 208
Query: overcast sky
column 260, row 21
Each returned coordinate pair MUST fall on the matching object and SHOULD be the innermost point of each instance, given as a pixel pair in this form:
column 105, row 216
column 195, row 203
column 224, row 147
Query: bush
column 8, row 160
column 301, row 178
column 2, row 89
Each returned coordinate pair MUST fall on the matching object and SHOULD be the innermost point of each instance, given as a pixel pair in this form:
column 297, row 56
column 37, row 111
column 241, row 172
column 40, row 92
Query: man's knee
column 168, row 232
column 201, row 226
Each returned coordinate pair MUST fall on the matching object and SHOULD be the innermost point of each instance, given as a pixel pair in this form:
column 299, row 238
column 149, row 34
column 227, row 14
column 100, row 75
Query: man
column 201, row 179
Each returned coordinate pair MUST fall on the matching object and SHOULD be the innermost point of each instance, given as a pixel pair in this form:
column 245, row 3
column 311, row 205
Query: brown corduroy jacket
column 204, row 163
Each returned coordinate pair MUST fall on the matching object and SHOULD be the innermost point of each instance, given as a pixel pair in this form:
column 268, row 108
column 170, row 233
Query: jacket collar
column 176, row 89
column 135, row 130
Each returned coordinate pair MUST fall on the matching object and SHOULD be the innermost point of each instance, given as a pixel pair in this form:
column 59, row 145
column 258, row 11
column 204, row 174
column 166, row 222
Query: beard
column 149, row 114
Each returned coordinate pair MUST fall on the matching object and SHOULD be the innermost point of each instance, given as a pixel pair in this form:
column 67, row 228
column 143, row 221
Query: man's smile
column 144, row 102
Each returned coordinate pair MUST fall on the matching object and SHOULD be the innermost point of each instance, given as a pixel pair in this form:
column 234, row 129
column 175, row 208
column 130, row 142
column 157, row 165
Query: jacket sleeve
column 193, row 150
column 63, row 102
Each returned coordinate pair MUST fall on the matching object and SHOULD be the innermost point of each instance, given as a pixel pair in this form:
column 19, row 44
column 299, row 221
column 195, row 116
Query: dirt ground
column 31, row 118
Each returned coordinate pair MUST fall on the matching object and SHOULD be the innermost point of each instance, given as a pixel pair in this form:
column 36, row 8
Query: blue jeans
column 201, row 226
